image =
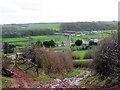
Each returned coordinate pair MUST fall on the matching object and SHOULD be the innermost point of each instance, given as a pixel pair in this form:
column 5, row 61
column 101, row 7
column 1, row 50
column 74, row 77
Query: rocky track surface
column 66, row 82
column 22, row 80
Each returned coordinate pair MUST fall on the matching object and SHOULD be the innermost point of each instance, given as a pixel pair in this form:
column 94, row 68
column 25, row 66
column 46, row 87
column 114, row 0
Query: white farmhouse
column 96, row 39
column 85, row 41
column 96, row 31
column 64, row 43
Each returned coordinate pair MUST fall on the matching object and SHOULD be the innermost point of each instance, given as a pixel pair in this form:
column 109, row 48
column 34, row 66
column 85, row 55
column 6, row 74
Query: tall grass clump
column 53, row 63
column 107, row 57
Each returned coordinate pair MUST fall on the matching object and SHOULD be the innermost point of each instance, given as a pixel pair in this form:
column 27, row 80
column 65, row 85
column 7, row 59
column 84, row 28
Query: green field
column 79, row 54
column 42, row 38
column 63, row 47
column 21, row 43
column 33, row 39
column 44, row 26
column 56, row 38
column 110, row 31
column 102, row 35
column 74, row 38
column 59, row 33
column 14, row 39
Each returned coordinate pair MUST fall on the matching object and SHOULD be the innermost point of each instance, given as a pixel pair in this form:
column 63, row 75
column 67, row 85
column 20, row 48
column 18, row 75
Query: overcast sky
column 35, row 11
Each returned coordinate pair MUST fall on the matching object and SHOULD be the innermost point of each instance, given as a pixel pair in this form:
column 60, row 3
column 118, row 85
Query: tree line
column 13, row 32
column 82, row 26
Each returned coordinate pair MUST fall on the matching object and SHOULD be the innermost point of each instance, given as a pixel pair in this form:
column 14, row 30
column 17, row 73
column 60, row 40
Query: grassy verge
column 41, row 77
column 79, row 60
column 72, row 73
column 6, row 82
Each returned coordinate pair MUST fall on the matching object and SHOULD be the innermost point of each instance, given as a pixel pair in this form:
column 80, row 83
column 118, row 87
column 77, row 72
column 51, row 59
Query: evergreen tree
column 78, row 42
column 8, row 48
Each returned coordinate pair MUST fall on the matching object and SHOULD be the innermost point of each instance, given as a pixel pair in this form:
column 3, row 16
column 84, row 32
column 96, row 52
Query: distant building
column 91, row 33
column 96, row 31
column 85, row 41
column 96, row 39
column 77, row 34
column 66, row 34
column 64, row 43
column 92, row 39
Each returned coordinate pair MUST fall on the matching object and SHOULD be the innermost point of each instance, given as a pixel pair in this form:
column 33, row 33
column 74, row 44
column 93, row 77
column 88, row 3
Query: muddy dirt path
column 22, row 80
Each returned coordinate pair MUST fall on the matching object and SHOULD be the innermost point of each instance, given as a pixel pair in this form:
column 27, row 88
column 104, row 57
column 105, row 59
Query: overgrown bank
column 106, row 64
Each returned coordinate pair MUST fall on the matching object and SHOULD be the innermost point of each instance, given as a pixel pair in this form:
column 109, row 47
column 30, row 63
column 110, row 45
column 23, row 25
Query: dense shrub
column 48, row 44
column 82, row 47
column 53, row 63
column 78, row 42
column 73, row 48
column 107, row 57
column 8, row 48
column 92, row 43
column 39, row 43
